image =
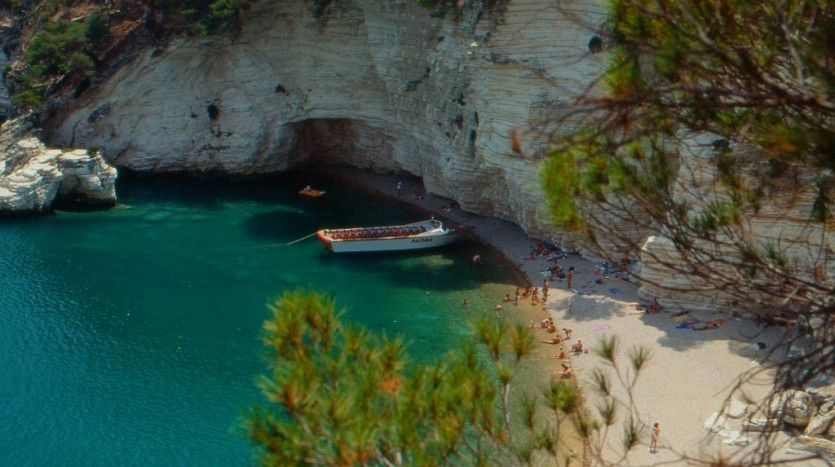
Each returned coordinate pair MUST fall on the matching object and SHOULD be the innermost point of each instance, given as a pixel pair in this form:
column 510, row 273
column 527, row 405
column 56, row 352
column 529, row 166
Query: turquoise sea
column 131, row 336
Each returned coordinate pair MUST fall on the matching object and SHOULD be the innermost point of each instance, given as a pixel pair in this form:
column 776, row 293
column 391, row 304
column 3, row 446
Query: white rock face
column 819, row 424
column 737, row 408
column 783, row 221
column 386, row 86
column 33, row 177
column 380, row 85
column 87, row 178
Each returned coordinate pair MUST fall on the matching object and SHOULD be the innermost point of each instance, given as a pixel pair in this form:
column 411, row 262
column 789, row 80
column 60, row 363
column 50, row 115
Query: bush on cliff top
column 210, row 16
column 60, row 48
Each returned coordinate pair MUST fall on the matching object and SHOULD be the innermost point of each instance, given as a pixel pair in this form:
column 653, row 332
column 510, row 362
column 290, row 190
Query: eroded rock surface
column 33, row 177
column 462, row 101
column 387, row 86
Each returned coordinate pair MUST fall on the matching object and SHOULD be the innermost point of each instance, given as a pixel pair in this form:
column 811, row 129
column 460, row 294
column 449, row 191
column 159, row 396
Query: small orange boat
column 311, row 193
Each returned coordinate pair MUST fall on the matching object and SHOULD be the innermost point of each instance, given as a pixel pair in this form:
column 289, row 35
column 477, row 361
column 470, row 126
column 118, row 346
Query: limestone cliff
column 782, row 223
column 381, row 85
column 385, row 85
column 33, row 177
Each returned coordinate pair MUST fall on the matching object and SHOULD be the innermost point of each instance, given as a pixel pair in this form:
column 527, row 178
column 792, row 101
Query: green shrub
column 56, row 49
column 222, row 14
column 96, row 27
column 28, row 99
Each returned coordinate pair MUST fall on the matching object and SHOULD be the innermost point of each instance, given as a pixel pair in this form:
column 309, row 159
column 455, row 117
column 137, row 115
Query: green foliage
column 727, row 68
column 624, row 78
column 633, row 432
column 80, row 62
column 96, row 27
column 211, row 16
column 28, row 99
column 222, row 13
column 57, row 48
column 639, row 357
column 340, row 395
column 756, row 78
column 606, row 348
column 561, row 396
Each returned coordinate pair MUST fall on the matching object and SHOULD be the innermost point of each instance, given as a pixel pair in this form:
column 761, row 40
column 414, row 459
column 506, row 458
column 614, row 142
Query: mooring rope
column 303, row 238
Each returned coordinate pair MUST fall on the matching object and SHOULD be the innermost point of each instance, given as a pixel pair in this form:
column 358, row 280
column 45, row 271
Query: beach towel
column 615, row 291
column 601, row 327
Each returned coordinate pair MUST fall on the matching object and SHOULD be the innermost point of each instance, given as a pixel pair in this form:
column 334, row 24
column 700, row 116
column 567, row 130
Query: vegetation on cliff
column 750, row 86
column 64, row 45
column 752, row 83
column 210, row 16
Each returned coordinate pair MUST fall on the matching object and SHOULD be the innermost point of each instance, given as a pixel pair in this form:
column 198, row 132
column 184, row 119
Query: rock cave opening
column 342, row 141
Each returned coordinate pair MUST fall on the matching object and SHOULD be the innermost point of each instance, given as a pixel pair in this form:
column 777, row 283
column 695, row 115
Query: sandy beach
column 690, row 375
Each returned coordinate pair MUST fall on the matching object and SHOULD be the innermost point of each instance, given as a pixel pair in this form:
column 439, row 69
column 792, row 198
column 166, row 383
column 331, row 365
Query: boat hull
column 312, row 193
column 416, row 236
column 390, row 244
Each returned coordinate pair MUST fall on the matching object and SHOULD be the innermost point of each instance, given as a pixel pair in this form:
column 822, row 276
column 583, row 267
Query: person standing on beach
column 399, row 188
column 656, row 433
column 568, row 276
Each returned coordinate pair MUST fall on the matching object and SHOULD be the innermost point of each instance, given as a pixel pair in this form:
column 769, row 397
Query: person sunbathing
column 566, row 372
column 712, row 324
column 578, row 347
column 654, row 307
column 553, row 341
column 507, row 298
column 561, row 355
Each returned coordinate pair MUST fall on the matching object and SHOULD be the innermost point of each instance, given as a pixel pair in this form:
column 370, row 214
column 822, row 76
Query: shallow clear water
column 131, row 336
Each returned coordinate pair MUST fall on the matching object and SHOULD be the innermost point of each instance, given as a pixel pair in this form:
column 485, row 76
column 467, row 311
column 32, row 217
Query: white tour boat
column 416, row 236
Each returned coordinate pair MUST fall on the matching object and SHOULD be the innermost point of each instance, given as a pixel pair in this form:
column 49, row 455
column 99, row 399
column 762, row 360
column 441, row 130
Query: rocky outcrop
column 793, row 410
column 782, row 221
column 33, row 177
